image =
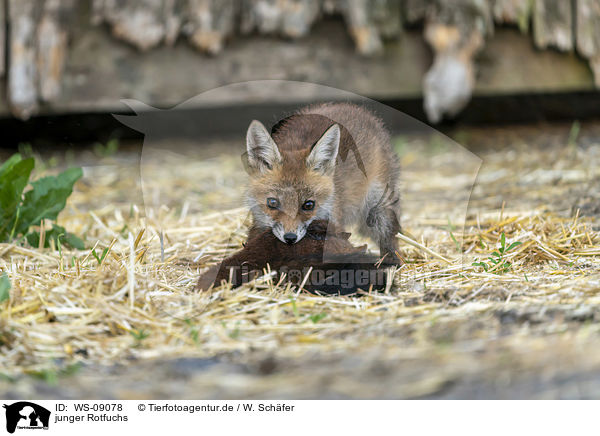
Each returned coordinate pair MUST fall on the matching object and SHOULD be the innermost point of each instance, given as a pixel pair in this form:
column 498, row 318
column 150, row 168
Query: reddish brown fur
column 365, row 180
column 263, row 249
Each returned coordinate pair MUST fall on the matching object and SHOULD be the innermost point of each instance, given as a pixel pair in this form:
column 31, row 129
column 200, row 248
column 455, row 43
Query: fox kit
column 329, row 162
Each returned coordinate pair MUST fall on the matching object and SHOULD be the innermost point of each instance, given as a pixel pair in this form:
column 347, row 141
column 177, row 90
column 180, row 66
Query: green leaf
column 513, row 245
column 96, row 256
column 502, row 242
column 4, row 288
column 481, row 242
column 73, row 241
column 451, row 231
column 481, row 264
column 317, row 317
column 100, row 258
column 294, row 306
column 10, row 162
column 66, row 238
column 139, row 335
column 47, row 198
column 14, row 175
column 49, row 375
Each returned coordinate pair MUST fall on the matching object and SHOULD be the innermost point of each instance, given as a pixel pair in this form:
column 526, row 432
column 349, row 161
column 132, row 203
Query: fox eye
column 308, row 205
column 272, row 203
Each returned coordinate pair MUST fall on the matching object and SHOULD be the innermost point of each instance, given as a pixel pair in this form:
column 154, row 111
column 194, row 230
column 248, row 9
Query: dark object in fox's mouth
column 324, row 260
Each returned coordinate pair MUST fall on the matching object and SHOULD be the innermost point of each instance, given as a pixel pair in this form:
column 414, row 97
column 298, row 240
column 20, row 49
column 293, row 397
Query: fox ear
column 263, row 153
column 324, row 153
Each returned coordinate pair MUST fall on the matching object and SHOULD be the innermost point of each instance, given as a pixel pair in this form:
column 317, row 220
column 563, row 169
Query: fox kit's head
column 290, row 189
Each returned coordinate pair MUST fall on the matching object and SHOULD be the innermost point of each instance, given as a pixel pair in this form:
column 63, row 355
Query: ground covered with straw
column 121, row 319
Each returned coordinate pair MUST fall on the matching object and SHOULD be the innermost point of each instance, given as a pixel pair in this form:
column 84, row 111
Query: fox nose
column 290, row 238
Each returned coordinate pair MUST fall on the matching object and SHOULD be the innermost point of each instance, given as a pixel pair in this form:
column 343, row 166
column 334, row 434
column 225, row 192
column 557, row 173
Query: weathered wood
column 209, row 23
column 289, row 18
column 455, row 30
column 167, row 76
column 22, row 73
column 172, row 20
column 415, row 10
column 369, row 21
column 52, row 46
column 588, row 34
column 525, row 69
column 2, row 36
column 388, row 16
column 513, row 12
column 141, row 23
column 553, row 24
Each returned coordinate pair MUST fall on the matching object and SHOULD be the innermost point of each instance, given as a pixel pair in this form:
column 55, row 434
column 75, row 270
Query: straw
column 140, row 303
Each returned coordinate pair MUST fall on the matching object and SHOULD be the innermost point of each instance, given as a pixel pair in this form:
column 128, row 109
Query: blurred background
column 65, row 65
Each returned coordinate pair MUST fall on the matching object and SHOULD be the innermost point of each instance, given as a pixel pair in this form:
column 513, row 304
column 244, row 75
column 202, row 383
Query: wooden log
column 369, row 21
column 52, row 36
column 513, row 12
column 141, row 23
column 173, row 20
column 553, row 24
column 455, row 30
column 364, row 33
column 2, row 36
column 414, row 11
column 22, row 68
column 289, row 18
column 588, row 34
column 209, row 23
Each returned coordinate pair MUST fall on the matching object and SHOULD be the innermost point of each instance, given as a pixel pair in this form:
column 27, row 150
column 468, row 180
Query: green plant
column 451, row 231
column 294, row 306
column 315, row 318
column 8, row 378
column 139, row 336
column 233, row 334
column 574, row 134
column 51, row 375
column 100, row 258
column 497, row 263
column 20, row 211
column 111, row 147
column 26, row 151
column 4, row 288
column 57, row 234
column 194, row 332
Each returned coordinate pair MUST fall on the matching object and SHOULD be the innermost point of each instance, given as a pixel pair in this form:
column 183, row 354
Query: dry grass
column 140, row 300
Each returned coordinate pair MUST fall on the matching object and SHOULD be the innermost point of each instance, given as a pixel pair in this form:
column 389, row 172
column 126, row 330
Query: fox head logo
column 289, row 190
